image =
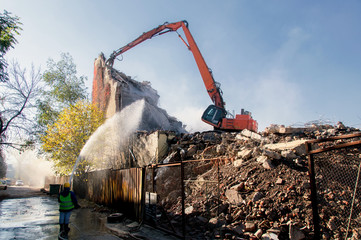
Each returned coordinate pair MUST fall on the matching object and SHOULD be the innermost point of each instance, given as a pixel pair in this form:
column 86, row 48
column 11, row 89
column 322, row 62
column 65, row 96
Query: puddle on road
column 29, row 218
column 23, row 212
column 38, row 218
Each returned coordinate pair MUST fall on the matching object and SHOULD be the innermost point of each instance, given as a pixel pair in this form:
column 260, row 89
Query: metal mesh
column 337, row 175
column 201, row 190
column 201, row 197
column 163, row 192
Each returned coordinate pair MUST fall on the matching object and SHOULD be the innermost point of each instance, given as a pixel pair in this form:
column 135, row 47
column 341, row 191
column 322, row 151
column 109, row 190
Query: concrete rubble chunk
column 189, row 210
column 245, row 154
column 331, row 132
column 290, row 130
column 281, row 129
column 288, row 154
column 216, row 222
column 238, row 163
column 269, row 236
column 265, row 162
column 249, row 134
column 258, row 233
column 221, row 149
column 233, row 196
column 262, row 159
column 273, row 128
column 213, row 221
column 272, row 154
column 268, row 164
column 202, row 168
column 340, row 125
column 192, row 150
column 280, row 181
column 297, row 145
column 250, row 227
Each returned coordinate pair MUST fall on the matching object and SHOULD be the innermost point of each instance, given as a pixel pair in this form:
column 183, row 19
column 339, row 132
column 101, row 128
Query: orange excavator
column 215, row 114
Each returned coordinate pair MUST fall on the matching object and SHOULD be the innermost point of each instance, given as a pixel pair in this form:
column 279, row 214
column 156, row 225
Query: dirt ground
column 19, row 192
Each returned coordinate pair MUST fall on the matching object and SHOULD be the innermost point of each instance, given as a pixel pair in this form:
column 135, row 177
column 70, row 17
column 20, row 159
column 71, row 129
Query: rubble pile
column 264, row 189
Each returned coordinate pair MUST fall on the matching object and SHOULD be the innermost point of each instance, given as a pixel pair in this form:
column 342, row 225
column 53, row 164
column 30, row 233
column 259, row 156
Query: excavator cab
column 213, row 115
column 216, row 116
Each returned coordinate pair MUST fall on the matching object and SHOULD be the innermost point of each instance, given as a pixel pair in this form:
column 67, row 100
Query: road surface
column 19, row 192
column 27, row 213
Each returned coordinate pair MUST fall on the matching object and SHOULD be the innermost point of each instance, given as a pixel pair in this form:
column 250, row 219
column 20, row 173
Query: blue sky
column 288, row 62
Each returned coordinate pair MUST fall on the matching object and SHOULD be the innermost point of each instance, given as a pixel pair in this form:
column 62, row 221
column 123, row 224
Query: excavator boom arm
column 213, row 90
column 161, row 29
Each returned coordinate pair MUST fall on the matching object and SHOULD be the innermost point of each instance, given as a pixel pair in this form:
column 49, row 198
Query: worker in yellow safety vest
column 67, row 202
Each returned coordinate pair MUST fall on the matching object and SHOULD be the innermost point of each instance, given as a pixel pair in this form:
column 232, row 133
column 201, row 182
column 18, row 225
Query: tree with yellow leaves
column 64, row 139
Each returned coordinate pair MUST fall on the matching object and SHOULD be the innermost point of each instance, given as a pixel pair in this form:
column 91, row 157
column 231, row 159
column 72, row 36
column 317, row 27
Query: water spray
column 107, row 141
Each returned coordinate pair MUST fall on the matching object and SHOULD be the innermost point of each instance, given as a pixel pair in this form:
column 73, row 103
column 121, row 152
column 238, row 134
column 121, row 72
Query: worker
column 67, row 202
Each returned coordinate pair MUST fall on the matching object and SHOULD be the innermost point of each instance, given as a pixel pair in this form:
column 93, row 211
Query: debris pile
column 264, row 189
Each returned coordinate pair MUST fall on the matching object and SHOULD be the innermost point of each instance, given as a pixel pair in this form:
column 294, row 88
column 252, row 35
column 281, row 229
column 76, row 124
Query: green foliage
column 66, row 88
column 65, row 119
column 63, row 89
column 64, row 139
column 9, row 28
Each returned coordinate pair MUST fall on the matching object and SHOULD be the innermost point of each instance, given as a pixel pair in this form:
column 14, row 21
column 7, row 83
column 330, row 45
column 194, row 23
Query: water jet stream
column 105, row 145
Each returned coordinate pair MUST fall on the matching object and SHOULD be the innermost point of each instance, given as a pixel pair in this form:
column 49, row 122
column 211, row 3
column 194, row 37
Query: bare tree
column 18, row 98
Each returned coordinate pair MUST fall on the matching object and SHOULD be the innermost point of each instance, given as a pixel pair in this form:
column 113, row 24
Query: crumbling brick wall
column 106, row 92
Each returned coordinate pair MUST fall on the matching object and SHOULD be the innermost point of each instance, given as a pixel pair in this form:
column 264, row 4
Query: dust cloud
column 29, row 167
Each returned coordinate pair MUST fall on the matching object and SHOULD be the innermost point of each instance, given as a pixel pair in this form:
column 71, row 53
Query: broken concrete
column 297, row 145
column 245, row 154
column 233, row 196
column 247, row 134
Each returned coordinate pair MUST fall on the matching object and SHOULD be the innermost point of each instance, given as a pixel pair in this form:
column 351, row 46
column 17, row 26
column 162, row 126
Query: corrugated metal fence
column 119, row 189
column 125, row 190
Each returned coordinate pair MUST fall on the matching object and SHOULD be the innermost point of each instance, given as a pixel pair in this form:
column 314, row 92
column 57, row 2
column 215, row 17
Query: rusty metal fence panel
column 164, row 182
column 119, row 189
column 335, row 177
column 177, row 208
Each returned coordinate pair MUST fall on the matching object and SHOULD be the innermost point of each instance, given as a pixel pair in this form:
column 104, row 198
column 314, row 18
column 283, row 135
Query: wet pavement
column 37, row 218
column 28, row 213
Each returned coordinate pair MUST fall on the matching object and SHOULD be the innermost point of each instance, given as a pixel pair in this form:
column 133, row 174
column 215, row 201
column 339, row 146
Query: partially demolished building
column 112, row 92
